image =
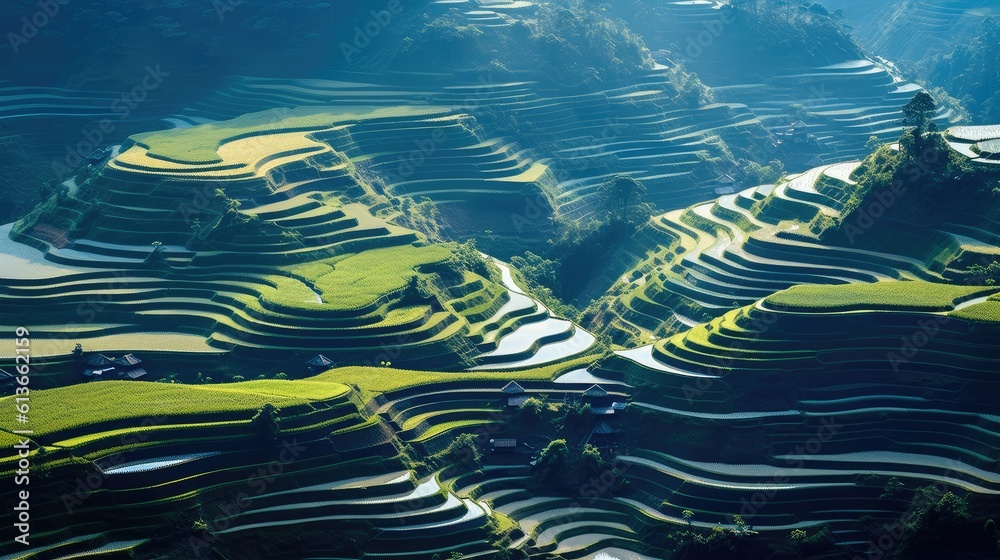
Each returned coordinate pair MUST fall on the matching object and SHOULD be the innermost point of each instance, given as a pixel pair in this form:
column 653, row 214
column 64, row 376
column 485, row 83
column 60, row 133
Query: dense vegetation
column 970, row 72
column 565, row 44
column 750, row 34
column 927, row 172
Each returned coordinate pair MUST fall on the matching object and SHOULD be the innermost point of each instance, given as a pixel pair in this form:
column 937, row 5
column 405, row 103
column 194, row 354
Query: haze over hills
column 501, row 279
column 951, row 45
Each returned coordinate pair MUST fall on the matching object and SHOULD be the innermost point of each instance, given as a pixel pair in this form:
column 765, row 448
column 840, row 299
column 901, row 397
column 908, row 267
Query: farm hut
column 503, row 444
column 513, row 388
column 595, row 391
column 128, row 360
column 319, row 362
column 611, row 409
column 602, row 436
column 514, row 394
column 725, row 180
column 97, row 374
column 98, row 155
column 601, row 402
column 596, row 396
column 98, row 360
column 136, row 373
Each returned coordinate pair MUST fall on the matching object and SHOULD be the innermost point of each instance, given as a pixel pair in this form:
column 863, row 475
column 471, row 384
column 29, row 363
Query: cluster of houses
column 725, row 184
column 602, row 404
column 798, row 131
column 100, row 367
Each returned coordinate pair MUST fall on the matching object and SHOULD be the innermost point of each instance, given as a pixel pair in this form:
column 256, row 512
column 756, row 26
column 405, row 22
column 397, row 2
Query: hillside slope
column 820, row 227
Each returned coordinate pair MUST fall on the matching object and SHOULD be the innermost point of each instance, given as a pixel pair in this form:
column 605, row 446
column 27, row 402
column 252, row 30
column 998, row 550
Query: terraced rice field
column 981, row 144
column 842, row 102
column 320, row 268
column 704, row 483
column 698, row 263
column 912, row 29
column 48, row 119
column 533, row 337
column 844, row 366
column 580, row 139
column 880, row 424
column 251, row 230
column 336, row 456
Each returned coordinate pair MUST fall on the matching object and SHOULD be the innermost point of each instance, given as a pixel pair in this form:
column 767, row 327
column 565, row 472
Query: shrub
column 265, row 424
column 462, row 454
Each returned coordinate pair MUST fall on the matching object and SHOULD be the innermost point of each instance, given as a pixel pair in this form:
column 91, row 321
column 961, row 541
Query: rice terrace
column 500, row 279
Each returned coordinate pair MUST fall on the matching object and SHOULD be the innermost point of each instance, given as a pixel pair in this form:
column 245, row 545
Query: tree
column 537, row 270
column 158, row 252
column 953, row 506
column 687, row 515
column 758, row 174
column 199, row 526
column 590, row 463
column 529, row 414
column 553, row 461
column 980, row 275
column 918, row 113
column 265, row 423
column 990, row 524
column 741, row 526
column 465, row 256
column 622, row 196
column 462, row 452
column 892, row 487
column 555, row 453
